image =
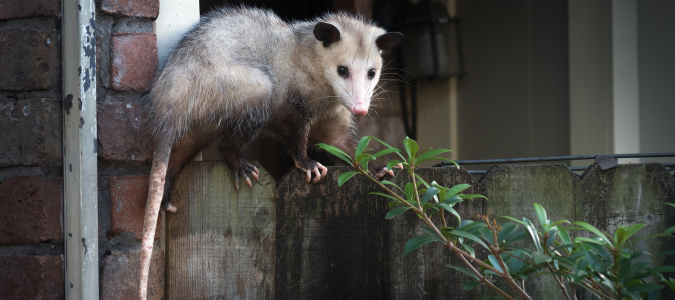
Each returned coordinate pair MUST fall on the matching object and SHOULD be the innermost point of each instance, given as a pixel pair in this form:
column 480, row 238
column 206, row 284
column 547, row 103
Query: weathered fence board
column 329, row 245
column 511, row 190
column 313, row 219
column 220, row 243
column 334, row 243
column 423, row 274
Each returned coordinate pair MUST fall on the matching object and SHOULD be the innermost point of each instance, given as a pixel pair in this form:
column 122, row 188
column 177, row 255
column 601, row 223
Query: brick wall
column 126, row 62
column 31, row 163
column 31, row 232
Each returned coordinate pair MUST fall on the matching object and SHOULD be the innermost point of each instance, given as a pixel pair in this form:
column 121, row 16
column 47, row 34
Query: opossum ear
column 389, row 41
column 326, row 33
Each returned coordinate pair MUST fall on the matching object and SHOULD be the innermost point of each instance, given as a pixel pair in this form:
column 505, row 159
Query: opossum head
column 349, row 51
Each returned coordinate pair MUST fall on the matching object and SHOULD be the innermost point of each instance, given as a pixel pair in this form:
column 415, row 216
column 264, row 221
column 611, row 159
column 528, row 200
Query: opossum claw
column 236, row 180
column 248, row 181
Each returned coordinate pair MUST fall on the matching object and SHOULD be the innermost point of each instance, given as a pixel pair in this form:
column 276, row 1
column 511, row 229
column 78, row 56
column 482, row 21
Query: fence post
column 220, row 243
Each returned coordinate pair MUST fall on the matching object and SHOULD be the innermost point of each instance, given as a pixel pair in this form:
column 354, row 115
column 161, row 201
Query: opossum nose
column 359, row 110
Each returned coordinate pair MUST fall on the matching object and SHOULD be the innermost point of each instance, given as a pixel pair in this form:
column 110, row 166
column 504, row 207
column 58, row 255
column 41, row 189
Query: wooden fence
column 318, row 241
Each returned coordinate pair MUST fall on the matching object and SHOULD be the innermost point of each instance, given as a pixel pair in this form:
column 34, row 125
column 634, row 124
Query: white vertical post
column 79, row 150
column 625, row 78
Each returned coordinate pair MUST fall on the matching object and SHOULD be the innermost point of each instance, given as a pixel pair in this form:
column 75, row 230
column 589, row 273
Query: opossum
column 244, row 71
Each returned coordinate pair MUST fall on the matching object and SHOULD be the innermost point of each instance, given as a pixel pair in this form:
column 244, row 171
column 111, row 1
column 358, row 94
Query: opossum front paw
column 309, row 166
column 240, row 167
column 380, row 172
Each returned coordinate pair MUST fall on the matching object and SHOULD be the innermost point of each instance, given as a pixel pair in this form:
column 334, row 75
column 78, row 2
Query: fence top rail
column 557, row 158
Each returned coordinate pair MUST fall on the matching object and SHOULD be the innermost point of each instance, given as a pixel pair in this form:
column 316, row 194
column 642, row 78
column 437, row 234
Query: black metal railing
column 606, row 161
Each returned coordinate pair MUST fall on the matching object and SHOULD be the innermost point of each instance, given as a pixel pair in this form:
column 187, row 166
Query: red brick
column 134, row 61
column 31, row 210
column 31, row 132
column 132, row 8
column 31, row 277
column 120, row 276
column 122, row 132
column 10, row 9
column 30, row 60
column 129, row 195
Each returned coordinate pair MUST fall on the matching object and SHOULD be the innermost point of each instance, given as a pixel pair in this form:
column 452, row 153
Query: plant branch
column 600, row 292
column 482, row 278
column 560, row 283
column 495, row 252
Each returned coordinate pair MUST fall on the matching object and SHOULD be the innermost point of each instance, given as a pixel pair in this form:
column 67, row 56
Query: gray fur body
column 242, row 72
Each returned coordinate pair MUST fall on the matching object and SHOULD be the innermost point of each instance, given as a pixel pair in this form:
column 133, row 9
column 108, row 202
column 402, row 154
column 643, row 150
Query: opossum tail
column 160, row 163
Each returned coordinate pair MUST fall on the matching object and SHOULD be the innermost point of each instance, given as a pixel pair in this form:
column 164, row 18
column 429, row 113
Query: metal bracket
column 606, row 162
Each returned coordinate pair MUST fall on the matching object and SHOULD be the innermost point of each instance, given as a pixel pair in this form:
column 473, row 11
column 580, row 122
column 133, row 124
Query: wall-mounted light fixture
column 431, row 47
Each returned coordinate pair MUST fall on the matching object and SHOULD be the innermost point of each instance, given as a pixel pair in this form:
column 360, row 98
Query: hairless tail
column 160, row 163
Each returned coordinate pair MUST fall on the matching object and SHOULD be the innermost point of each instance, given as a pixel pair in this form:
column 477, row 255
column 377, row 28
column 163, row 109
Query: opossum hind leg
column 230, row 149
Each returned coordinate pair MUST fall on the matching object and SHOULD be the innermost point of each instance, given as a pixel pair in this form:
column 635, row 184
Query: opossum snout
column 359, row 110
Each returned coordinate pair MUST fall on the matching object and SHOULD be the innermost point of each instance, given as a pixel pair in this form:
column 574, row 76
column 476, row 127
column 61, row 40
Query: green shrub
column 604, row 265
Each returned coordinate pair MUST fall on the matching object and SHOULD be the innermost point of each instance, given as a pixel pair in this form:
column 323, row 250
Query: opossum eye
column 343, row 71
column 371, row 73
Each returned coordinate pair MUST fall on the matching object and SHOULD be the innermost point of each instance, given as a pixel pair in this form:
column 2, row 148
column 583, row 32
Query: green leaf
column 457, row 189
column 385, row 195
column 634, row 271
column 594, row 230
column 396, row 211
column 515, row 264
column 389, row 146
column 385, row 152
column 630, row 232
column 344, row 177
column 469, row 285
column 514, row 237
column 514, row 220
column 540, row 257
column 431, row 232
column 564, row 236
column 541, row 213
column 411, row 148
column 363, row 158
column 588, row 240
column 506, row 230
column 486, row 234
column 469, row 249
column 495, row 263
column 534, row 236
column 472, row 196
column 464, row 271
column 391, row 183
column 427, row 206
column 669, row 252
column 430, row 154
column 363, row 143
column 663, row 269
column 392, row 163
column 429, row 194
column 419, row 161
column 409, row 190
column 470, row 236
column 670, row 282
column 336, row 152
column 452, row 200
column 670, row 204
column 450, row 210
column 598, row 249
column 471, row 227
column 416, row 242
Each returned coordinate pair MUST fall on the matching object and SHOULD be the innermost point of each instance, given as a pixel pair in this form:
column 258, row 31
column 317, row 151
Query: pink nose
column 359, row 110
